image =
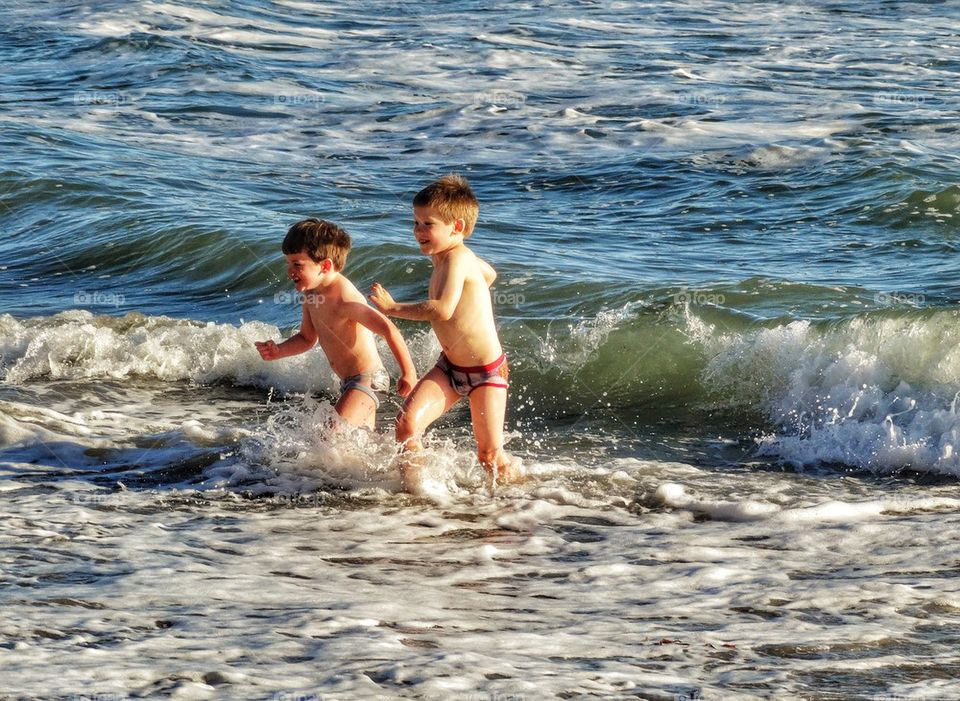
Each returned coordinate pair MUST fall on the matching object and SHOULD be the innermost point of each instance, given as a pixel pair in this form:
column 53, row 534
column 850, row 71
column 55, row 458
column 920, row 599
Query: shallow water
column 725, row 236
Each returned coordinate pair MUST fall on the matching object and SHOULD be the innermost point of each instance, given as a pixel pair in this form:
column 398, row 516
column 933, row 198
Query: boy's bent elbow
column 442, row 312
column 308, row 340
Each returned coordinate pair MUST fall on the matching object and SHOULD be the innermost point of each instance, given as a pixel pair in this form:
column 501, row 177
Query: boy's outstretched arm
column 382, row 326
column 440, row 309
column 298, row 343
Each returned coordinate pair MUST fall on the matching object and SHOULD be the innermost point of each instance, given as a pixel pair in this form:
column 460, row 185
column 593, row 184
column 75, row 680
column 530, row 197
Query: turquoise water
column 726, row 238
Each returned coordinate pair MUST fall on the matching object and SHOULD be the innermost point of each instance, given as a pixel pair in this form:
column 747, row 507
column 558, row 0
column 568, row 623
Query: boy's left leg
column 430, row 399
column 357, row 408
column 488, row 407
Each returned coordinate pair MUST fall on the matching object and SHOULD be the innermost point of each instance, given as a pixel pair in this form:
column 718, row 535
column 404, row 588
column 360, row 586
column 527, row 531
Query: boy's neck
column 334, row 277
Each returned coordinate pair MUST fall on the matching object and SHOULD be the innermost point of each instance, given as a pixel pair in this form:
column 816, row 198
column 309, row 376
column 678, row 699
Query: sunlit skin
column 336, row 315
column 460, row 311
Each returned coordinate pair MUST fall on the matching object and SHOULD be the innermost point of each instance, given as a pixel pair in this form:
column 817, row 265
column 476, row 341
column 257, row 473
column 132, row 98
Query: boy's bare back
column 349, row 346
column 336, row 316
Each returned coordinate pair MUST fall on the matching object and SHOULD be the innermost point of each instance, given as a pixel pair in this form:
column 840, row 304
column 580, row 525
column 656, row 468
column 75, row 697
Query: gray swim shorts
column 369, row 383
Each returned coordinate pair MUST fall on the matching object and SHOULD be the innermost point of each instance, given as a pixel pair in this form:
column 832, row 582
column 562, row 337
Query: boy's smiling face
column 433, row 233
column 305, row 272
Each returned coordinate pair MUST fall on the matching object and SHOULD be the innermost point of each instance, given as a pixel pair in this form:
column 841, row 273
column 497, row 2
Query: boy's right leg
column 428, row 401
column 488, row 406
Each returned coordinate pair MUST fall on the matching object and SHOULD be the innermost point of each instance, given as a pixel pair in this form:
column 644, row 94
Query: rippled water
column 726, row 238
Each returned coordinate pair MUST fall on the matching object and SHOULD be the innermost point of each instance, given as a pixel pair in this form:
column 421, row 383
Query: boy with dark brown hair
column 337, row 315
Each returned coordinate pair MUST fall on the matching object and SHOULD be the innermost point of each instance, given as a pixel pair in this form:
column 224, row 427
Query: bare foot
column 411, row 473
column 508, row 470
column 511, row 472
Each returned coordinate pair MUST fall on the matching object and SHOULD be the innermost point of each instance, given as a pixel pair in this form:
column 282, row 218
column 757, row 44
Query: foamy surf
column 875, row 391
column 726, row 246
column 675, row 496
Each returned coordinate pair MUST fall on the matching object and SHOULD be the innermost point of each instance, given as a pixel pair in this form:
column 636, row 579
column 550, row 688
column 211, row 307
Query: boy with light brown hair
column 460, row 310
column 337, row 315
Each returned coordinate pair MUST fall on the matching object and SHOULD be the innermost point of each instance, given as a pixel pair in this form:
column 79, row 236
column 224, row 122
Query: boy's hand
column 405, row 384
column 268, row 350
column 381, row 298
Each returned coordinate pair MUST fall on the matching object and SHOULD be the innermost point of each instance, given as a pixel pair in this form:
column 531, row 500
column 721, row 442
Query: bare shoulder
column 463, row 257
column 345, row 291
column 471, row 262
column 351, row 304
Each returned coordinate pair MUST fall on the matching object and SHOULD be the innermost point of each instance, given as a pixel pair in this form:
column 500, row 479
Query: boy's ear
column 459, row 226
column 326, row 265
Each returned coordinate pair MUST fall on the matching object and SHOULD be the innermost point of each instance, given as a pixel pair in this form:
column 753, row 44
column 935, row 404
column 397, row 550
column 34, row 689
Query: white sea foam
column 533, row 67
column 876, row 392
column 745, row 510
column 461, row 588
column 202, row 22
column 78, row 345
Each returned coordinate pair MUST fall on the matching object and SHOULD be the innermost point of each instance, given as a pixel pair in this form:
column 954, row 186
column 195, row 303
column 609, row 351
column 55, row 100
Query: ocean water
column 726, row 236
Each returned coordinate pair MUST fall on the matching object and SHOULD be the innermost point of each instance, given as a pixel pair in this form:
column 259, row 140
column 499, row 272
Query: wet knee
column 405, row 428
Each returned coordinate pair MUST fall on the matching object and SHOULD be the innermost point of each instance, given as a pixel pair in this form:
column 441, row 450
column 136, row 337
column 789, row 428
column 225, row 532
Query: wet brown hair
column 319, row 239
column 452, row 198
